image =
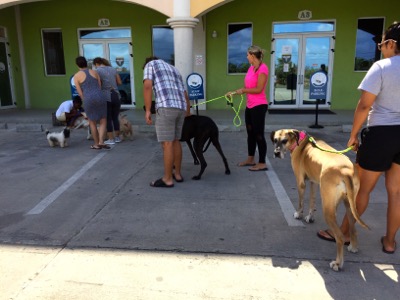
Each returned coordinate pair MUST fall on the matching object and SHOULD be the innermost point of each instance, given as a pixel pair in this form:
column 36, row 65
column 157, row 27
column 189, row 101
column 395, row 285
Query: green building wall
column 49, row 91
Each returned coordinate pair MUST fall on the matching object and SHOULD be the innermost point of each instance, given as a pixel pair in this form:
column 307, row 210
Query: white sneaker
column 109, row 142
column 117, row 139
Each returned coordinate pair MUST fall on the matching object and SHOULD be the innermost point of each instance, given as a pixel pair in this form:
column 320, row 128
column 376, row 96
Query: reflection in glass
column 304, row 27
column 91, row 51
column 239, row 40
column 105, row 34
column 163, row 43
column 369, row 33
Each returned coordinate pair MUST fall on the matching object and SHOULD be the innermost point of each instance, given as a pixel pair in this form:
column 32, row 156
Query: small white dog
column 58, row 138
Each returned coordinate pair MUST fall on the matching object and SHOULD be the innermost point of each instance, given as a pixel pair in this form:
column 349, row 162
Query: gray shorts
column 169, row 124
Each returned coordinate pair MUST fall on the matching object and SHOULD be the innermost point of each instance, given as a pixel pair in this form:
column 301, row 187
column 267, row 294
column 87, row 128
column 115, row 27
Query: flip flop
column 245, row 165
column 160, row 183
column 177, row 180
column 326, row 236
column 387, row 251
column 95, row 147
column 256, row 170
column 104, row 146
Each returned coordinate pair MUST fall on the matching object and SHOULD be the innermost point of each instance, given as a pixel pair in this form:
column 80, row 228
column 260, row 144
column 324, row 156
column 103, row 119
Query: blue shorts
column 379, row 148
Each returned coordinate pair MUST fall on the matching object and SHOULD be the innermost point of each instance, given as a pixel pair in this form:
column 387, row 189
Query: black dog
column 202, row 129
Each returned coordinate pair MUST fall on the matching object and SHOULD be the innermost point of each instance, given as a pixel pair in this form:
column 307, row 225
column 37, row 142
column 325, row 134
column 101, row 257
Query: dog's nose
column 277, row 154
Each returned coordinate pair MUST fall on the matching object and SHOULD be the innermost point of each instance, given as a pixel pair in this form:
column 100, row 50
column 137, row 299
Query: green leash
column 229, row 100
column 314, row 143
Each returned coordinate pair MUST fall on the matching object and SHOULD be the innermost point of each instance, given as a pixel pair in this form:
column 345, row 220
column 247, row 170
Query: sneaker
column 109, row 142
column 117, row 140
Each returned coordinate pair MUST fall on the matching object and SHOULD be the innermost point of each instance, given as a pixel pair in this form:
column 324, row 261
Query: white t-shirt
column 382, row 80
column 65, row 107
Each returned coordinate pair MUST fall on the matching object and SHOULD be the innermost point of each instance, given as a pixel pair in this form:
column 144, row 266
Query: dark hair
column 149, row 59
column 101, row 61
column 81, row 62
column 77, row 99
column 393, row 33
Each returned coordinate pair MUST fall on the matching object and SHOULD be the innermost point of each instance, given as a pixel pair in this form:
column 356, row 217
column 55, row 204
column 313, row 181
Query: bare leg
column 168, row 151
column 393, row 209
column 95, row 133
column 102, row 130
column 177, row 148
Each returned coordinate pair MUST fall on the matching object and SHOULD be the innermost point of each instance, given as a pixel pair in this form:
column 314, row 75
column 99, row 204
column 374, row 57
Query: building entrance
column 296, row 56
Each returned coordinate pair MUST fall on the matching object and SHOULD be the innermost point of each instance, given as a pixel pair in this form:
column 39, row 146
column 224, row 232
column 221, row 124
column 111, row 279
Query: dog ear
column 295, row 134
column 272, row 136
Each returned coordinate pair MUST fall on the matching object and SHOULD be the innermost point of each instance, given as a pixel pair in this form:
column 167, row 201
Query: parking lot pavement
column 85, row 224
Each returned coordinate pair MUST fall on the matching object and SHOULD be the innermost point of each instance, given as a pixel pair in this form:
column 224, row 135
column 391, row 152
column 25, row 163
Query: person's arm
column 187, row 104
column 78, row 85
column 118, row 79
column 360, row 115
column 147, row 95
column 261, row 82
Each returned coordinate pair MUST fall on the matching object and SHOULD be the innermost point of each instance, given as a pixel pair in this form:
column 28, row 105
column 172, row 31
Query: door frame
column 9, row 69
column 105, row 42
column 302, row 37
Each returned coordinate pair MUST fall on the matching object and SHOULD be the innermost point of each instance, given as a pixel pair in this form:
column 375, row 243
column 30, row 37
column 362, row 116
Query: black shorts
column 379, row 148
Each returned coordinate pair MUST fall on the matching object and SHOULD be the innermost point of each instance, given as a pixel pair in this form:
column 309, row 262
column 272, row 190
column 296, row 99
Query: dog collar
column 302, row 136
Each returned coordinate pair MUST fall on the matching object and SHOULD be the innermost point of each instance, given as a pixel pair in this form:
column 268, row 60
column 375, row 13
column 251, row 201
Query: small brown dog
column 125, row 127
column 336, row 175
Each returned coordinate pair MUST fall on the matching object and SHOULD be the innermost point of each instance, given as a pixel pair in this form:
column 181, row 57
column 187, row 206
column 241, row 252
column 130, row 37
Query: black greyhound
column 202, row 129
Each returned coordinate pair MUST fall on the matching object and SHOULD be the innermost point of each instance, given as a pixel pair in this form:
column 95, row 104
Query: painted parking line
column 283, row 199
column 42, row 205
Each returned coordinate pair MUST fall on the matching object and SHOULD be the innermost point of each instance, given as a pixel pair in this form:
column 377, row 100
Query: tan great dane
column 336, row 175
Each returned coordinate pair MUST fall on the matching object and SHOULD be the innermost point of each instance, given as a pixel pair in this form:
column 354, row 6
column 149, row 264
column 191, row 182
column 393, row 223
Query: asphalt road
column 77, row 223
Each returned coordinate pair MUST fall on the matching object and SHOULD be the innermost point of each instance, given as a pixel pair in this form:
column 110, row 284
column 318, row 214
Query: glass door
column 6, row 95
column 299, row 49
column 115, row 46
column 295, row 58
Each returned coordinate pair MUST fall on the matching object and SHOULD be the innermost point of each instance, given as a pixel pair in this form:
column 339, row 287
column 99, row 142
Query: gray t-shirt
column 383, row 80
column 108, row 80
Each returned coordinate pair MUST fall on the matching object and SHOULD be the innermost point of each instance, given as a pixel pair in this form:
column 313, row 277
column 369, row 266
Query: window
column 301, row 27
column 53, row 52
column 369, row 33
column 163, row 43
column 239, row 40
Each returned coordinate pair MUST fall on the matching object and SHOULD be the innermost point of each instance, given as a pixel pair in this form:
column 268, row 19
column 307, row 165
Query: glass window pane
column 304, row 27
column 105, row 34
column 239, row 40
column 369, row 33
column 53, row 52
column 163, row 43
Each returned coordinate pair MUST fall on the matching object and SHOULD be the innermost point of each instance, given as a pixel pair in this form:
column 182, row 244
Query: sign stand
column 318, row 89
column 316, row 116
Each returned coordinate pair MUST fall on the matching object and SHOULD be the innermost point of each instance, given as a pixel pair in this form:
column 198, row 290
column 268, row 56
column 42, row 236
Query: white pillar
column 183, row 25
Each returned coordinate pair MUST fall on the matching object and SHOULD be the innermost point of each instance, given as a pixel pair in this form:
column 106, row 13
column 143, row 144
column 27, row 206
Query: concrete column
column 183, row 25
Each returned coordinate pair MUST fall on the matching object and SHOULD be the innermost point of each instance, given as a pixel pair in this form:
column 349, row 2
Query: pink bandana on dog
column 302, row 136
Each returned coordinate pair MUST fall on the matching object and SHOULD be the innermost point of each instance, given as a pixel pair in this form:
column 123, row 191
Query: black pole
column 316, row 116
column 197, row 107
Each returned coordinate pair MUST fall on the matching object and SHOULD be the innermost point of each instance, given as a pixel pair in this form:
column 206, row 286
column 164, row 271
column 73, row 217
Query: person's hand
column 354, row 142
column 239, row 91
column 147, row 117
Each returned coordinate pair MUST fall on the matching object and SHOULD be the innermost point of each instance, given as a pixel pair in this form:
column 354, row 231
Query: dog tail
column 351, row 198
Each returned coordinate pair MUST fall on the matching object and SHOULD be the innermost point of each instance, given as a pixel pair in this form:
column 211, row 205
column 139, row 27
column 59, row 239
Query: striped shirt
column 168, row 87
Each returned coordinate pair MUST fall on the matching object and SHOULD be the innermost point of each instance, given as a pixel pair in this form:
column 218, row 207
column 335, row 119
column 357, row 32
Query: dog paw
column 335, row 266
column 352, row 249
column 309, row 219
column 297, row 215
column 196, row 177
column 227, row 172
